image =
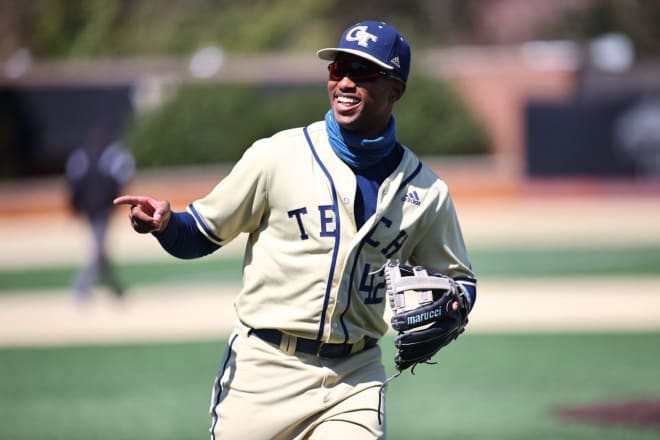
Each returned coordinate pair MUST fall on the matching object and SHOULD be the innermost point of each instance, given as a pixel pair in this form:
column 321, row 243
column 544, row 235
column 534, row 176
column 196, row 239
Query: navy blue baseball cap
column 375, row 41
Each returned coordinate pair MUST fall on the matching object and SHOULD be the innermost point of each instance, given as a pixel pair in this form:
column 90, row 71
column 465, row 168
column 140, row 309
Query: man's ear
column 398, row 89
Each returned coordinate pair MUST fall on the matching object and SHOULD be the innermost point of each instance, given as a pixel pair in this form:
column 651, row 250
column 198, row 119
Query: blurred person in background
column 96, row 173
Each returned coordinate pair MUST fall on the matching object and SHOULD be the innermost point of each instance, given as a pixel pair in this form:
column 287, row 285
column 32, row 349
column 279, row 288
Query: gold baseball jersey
column 308, row 270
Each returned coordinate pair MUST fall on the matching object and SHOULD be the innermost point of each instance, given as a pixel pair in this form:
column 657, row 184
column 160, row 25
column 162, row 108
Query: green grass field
column 500, row 386
column 485, row 386
column 526, row 263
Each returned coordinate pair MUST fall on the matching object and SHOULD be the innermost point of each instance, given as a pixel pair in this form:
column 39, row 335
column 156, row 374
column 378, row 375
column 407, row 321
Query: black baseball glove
column 429, row 310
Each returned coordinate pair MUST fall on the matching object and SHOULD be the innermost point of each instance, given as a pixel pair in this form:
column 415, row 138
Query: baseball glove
column 423, row 312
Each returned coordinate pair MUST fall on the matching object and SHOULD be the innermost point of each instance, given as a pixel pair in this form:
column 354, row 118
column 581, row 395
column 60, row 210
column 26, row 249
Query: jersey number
column 371, row 284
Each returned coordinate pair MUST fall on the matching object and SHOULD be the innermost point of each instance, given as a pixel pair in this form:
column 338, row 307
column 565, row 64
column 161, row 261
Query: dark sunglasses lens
column 355, row 71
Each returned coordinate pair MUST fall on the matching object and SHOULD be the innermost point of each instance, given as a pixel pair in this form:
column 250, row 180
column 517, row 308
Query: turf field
column 530, row 262
column 488, row 386
column 499, row 386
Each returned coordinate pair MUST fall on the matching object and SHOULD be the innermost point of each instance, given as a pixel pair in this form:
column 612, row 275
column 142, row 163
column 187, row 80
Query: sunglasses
column 358, row 71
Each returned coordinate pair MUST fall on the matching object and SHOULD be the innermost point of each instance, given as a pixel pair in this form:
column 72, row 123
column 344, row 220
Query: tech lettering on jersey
column 297, row 213
column 371, row 283
column 327, row 220
column 328, row 229
column 393, row 246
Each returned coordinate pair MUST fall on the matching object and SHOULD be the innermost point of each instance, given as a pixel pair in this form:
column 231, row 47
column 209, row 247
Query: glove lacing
column 381, row 392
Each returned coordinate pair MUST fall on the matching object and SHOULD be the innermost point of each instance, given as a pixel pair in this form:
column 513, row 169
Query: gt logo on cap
column 360, row 34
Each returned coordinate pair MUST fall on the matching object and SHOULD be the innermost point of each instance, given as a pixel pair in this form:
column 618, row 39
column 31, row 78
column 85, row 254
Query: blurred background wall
column 534, row 89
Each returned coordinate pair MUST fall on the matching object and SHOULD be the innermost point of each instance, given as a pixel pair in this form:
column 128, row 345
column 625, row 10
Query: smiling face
column 363, row 107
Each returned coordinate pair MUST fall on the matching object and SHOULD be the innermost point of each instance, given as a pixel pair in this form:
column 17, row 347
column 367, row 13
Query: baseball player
column 324, row 207
column 96, row 172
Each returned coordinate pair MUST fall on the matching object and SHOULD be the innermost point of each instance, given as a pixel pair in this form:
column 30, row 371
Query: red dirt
column 639, row 413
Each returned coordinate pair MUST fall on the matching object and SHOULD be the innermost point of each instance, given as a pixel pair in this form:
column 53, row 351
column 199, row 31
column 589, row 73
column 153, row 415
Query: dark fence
column 41, row 125
column 617, row 136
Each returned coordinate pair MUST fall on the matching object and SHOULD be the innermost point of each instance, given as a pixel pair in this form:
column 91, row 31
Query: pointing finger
column 126, row 200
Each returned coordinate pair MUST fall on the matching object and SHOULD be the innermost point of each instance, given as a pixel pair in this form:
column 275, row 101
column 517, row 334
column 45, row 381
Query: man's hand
column 146, row 214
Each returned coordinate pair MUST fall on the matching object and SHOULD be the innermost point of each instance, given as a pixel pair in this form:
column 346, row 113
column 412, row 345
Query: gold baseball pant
column 267, row 392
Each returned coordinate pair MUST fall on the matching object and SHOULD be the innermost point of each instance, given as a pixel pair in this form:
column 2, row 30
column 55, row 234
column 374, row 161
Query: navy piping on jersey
column 359, row 250
column 350, row 283
column 218, row 379
column 201, row 222
column 335, row 251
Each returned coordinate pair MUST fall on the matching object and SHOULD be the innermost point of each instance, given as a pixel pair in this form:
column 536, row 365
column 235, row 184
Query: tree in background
column 88, row 28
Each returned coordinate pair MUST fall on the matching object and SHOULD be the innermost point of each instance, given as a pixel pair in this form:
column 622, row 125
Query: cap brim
column 330, row 54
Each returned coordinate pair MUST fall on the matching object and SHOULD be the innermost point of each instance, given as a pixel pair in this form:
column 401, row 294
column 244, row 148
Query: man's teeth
column 347, row 100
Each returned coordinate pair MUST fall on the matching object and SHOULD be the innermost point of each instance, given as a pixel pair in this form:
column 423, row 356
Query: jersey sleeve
column 239, row 201
column 443, row 248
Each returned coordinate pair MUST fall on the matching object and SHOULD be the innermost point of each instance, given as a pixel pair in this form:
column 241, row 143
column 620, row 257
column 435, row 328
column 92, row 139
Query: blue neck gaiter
column 357, row 152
